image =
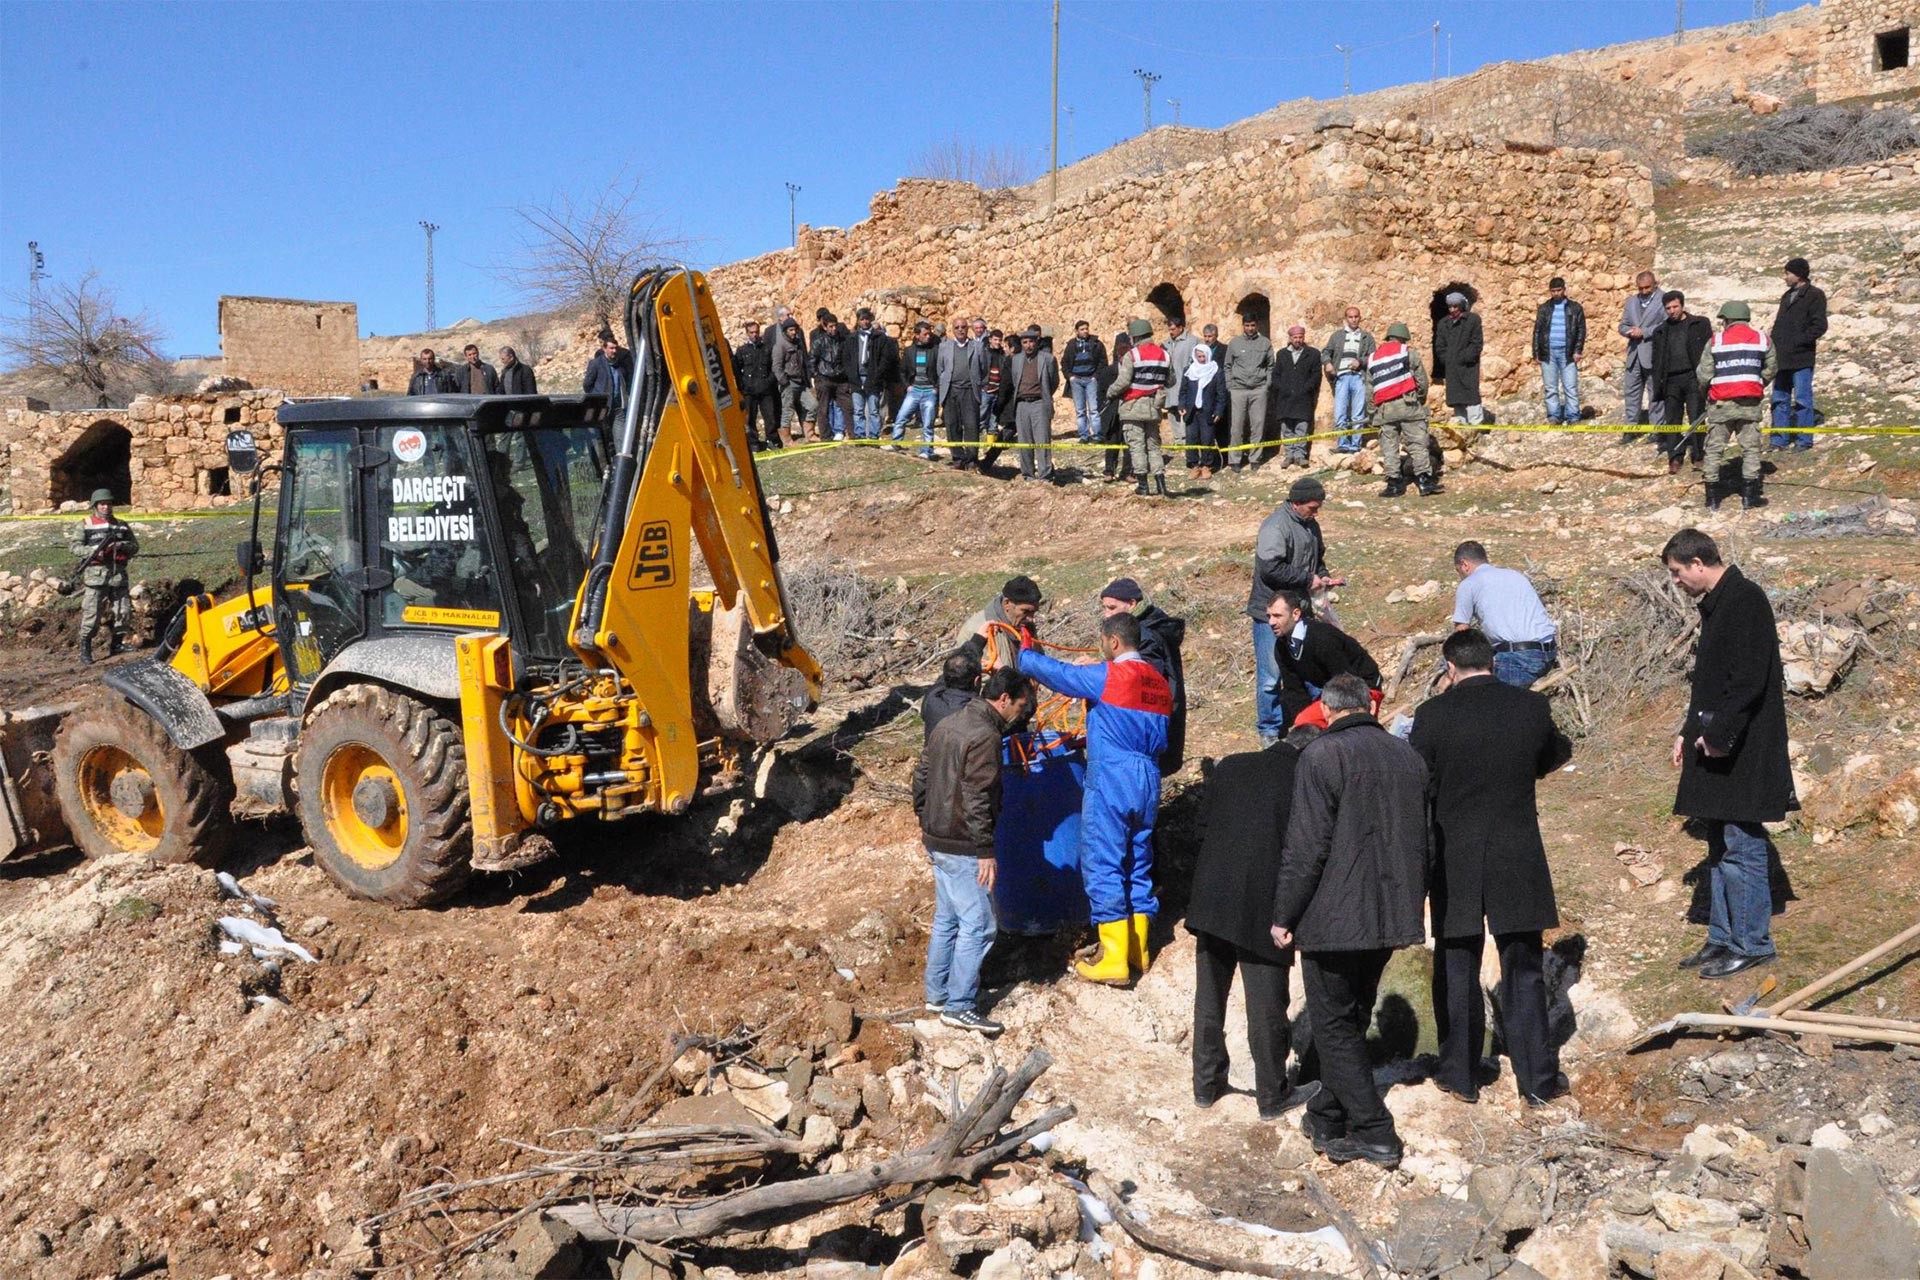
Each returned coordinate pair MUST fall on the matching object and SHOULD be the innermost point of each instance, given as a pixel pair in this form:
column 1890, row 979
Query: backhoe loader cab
column 479, row 619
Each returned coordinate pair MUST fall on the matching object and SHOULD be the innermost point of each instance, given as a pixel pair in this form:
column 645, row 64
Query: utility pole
column 793, row 215
column 430, row 228
column 1679, row 21
column 1147, row 80
column 36, row 268
column 1053, row 184
column 1433, row 86
column 1346, row 69
column 1175, row 104
column 1449, row 55
column 1759, row 15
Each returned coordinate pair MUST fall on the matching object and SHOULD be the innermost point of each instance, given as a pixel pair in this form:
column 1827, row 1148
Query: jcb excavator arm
column 681, row 462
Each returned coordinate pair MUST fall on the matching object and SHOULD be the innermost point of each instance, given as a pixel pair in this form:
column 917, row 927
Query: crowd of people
column 1343, row 838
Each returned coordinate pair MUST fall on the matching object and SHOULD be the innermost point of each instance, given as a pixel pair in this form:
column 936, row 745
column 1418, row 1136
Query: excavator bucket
column 31, row 821
column 752, row 695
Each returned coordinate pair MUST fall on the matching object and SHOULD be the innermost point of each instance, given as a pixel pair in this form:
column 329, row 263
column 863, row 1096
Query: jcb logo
column 653, row 558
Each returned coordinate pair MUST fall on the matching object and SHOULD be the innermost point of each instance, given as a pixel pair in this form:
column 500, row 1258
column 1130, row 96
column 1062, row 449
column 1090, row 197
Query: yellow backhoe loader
column 480, row 620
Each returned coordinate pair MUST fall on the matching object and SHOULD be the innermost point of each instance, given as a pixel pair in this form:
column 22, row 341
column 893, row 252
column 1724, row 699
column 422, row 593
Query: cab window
column 427, row 522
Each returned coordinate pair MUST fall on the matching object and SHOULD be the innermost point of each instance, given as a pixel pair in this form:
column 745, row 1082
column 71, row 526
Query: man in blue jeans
column 1081, row 362
column 956, row 794
column 1345, row 360
column 1798, row 326
column 1732, row 751
column 1525, row 640
column 1559, row 340
column 920, row 369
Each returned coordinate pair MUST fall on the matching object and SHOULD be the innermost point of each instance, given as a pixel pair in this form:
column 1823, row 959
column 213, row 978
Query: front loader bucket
column 30, row 820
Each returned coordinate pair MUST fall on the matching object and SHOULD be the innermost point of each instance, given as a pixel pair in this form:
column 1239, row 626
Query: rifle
column 111, row 543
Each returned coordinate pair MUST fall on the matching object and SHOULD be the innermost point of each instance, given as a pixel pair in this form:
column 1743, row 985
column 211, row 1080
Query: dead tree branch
column 1157, row 1242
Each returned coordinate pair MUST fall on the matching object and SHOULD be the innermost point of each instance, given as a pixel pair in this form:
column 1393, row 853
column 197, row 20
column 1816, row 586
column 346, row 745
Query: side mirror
column 242, row 454
column 252, row 560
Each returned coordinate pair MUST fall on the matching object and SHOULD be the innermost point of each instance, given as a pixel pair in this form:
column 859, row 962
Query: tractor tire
column 382, row 785
column 124, row 787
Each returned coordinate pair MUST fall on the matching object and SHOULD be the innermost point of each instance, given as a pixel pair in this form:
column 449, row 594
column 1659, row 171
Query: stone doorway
column 1257, row 308
column 1165, row 298
column 99, row 459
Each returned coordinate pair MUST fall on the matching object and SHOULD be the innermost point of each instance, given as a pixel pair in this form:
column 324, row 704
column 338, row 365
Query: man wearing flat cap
column 1798, row 326
column 1296, row 395
column 1457, row 343
column 1034, row 376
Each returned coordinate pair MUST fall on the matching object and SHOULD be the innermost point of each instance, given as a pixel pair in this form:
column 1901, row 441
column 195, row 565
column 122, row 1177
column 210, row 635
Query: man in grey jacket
column 1180, row 345
column 963, row 376
column 1644, row 312
column 1289, row 554
column 1249, row 368
column 1033, row 378
column 1353, row 881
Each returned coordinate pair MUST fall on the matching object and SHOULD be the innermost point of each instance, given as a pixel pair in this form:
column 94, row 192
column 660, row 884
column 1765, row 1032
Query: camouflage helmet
column 100, row 496
column 1137, row 329
column 1735, row 311
column 1398, row 330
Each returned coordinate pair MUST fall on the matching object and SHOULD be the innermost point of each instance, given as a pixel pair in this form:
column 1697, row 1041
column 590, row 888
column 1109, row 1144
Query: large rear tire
column 382, row 783
column 124, row 787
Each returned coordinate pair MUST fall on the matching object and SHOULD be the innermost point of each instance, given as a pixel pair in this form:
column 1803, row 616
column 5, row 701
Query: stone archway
column 1257, row 308
column 99, row 459
column 1165, row 298
column 1437, row 306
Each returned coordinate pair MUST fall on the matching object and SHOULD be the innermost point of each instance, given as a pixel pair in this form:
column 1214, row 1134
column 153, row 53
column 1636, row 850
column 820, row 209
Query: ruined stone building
column 1388, row 216
column 1866, row 48
column 304, row 348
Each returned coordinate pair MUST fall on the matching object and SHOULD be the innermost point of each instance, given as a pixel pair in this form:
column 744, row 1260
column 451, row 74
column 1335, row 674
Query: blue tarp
column 1037, row 844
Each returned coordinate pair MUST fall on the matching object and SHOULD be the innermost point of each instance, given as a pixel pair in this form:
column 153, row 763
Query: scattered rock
column 1689, row 1264
column 545, row 1249
column 647, row 1262
column 1511, row 1200
column 838, row 1020
column 1433, row 1233
column 1703, row 1146
column 713, row 1108
column 1874, row 1124
column 1794, row 1131
column 1830, row 1137
column 1855, row 1227
column 1690, row 1213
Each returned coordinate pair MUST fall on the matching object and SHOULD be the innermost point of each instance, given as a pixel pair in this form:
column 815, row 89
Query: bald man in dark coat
column 1485, row 744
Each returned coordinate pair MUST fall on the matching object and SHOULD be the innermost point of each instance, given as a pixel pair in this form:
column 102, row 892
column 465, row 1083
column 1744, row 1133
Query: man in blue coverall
column 1129, row 705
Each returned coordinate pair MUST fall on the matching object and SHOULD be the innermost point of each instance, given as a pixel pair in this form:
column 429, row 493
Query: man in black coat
column 516, row 376
column 1732, row 751
column 1353, row 877
column 1798, row 326
column 1248, row 799
column 1457, row 344
column 1486, row 743
column 832, row 390
column 959, row 682
column 430, row 377
column 1161, row 636
column 873, row 363
column 610, row 373
column 1311, row 652
column 476, row 377
column 753, row 369
column 1677, row 345
column 1295, row 391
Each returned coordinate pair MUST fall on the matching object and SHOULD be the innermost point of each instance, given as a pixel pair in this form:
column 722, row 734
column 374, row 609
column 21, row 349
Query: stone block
column 1855, row 1225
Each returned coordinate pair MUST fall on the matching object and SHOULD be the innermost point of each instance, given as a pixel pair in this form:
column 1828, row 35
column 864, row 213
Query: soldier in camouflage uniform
column 1397, row 393
column 1736, row 368
column 103, row 544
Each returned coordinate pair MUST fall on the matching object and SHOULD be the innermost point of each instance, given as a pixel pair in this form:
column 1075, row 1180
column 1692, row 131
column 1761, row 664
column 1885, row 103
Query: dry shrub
column 861, row 632
column 1804, row 139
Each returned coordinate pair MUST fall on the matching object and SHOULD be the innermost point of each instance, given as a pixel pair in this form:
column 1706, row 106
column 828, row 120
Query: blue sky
column 189, row 150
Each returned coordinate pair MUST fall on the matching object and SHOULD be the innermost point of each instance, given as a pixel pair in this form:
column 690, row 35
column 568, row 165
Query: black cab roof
column 483, row 411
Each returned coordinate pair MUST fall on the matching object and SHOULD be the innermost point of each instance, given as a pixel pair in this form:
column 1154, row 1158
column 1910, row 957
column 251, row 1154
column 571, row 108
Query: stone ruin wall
column 307, row 348
column 1382, row 215
column 1556, row 107
column 1849, row 56
column 161, row 453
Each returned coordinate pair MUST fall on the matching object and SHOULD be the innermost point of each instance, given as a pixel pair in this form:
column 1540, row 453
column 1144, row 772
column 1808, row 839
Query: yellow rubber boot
column 1109, row 964
column 1137, row 953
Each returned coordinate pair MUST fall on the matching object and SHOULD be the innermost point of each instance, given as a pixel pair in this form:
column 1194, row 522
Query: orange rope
column 1057, row 714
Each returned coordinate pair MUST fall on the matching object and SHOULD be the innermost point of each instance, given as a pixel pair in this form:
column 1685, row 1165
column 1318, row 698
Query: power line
column 430, row 228
column 793, row 215
column 1053, row 182
column 1147, row 80
column 1175, row 104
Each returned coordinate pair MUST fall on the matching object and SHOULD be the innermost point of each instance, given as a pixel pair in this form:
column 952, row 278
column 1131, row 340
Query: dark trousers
column 1685, row 401
column 1459, row 1011
column 962, row 415
column 1341, row 988
column 1265, row 984
column 829, row 392
column 1202, row 451
column 1118, row 459
column 763, row 416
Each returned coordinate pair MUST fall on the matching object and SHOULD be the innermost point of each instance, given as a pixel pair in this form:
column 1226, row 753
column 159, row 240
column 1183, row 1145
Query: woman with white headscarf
column 1202, row 403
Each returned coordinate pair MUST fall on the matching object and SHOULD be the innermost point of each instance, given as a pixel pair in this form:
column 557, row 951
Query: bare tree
column 957, row 159
column 580, row 251
column 77, row 338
